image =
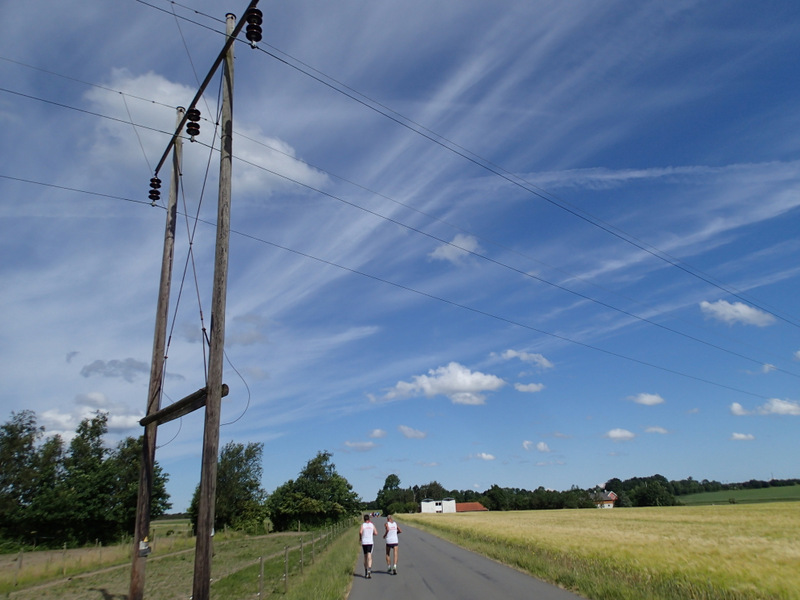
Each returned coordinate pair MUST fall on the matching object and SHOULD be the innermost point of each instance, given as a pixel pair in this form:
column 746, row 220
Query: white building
column 448, row 505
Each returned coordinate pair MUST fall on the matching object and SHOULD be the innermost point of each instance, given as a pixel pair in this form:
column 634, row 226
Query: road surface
column 432, row 568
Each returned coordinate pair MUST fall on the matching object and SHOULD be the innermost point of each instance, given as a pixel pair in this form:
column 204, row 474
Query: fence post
column 286, row 569
column 64, row 560
column 261, row 577
column 19, row 568
column 302, row 556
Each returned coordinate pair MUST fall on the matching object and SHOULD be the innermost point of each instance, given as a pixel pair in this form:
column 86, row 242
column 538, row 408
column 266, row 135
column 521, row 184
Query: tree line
column 52, row 493
column 655, row 490
column 319, row 497
column 83, row 492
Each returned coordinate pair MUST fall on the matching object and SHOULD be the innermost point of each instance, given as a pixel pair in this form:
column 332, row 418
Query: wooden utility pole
column 208, row 476
column 140, row 545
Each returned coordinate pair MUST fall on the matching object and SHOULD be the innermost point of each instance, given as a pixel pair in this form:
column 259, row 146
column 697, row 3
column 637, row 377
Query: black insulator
column 255, row 17
column 193, row 114
column 155, row 195
column 253, row 33
column 254, row 20
column 193, row 129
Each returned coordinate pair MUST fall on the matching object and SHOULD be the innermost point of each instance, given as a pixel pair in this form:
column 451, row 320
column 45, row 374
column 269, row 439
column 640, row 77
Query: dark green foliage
column 240, row 498
column 318, row 497
column 86, row 493
column 392, row 499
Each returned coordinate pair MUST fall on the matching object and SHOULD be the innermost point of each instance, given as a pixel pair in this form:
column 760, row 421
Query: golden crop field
column 728, row 551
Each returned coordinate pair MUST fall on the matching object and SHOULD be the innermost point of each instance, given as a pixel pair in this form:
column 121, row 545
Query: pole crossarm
column 180, row 408
column 206, row 81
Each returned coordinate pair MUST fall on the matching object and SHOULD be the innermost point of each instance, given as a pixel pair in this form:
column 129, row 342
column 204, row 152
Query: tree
column 392, row 499
column 125, row 463
column 51, row 495
column 319, row 496
column 240, row 498
column 18, row 440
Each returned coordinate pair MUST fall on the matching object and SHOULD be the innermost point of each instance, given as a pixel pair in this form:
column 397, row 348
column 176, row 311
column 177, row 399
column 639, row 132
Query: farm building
column 470, row 507
column 605, row 500
column 448, row 505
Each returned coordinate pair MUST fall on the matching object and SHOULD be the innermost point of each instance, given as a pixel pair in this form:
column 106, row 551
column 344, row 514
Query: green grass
column 771, row 494
column 327, row 571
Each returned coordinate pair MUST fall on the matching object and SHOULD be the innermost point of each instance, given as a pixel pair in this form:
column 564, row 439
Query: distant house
column 605, row 499
column 469, row 507
column 448, row 505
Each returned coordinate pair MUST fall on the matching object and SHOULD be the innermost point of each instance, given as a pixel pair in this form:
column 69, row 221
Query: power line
column 498, row 171
column 514, row 179
column 456, row 246
column 440, row 299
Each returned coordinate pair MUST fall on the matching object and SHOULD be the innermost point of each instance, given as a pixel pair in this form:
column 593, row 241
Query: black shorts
column 367, row 548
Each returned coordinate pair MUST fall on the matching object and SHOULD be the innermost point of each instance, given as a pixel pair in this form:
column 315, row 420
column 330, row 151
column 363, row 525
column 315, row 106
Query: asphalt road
column 429, row 567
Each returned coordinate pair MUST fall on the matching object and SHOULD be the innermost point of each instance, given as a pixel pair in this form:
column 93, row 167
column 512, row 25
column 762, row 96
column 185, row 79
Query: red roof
column 469, row 506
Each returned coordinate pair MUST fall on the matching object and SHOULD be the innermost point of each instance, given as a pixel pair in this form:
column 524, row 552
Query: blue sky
column 481, row 242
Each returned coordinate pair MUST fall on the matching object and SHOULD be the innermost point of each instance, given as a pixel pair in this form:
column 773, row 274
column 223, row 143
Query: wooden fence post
column 261, row 577
column 19, row 568
column 286, row 569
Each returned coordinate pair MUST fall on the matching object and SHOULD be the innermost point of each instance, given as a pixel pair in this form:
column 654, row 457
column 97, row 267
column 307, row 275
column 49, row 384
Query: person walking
column 365, row 534
column 392, row 543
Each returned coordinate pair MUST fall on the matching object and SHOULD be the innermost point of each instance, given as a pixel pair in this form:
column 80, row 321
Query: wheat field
column 727, row 551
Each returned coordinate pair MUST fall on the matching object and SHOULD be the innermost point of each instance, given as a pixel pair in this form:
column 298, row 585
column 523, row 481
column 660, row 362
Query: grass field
column 770, row 494
column 731, row 552
column 236, row 570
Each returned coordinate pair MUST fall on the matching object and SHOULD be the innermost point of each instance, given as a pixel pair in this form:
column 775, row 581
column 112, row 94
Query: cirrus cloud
column 537, row 360
column 411, row 433
column 360, row 446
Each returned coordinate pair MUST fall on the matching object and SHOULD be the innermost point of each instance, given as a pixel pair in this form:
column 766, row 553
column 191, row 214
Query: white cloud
column 529, row 387
column 768, row 368
column 796, row 355
column 360, row 446
column 411, row 433
column 742, row 437
column 527, row 444
column 458, row 249
column 542, row 447
column 775, row 406
column 455, row 381
column 484, row 456
column 647, row 399
column 537, row 360
column 620, row 435
column 377, row 433
column 738, row 312
column 656, row 429
column 738, row 410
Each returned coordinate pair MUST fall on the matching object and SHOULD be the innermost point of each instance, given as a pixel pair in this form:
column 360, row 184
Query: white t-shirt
column 391, row 532
column 367, row 531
